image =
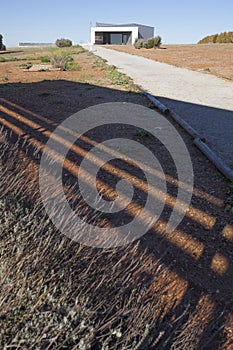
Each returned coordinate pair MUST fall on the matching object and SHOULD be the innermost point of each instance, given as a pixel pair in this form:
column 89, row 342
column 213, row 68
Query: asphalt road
column 203, row 100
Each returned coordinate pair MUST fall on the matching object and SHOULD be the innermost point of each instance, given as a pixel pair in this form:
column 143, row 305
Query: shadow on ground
column 199, row 252
column 215, row 125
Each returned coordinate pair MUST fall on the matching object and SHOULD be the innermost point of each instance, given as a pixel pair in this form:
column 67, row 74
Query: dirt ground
column 200, row 250
column 216, row 59
column 90, row 69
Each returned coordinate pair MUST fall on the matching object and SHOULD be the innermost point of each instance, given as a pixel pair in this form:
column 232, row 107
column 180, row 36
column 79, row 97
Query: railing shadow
column 197, row 251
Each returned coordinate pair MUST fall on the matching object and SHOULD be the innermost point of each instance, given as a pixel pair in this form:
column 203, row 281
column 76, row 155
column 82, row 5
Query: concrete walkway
column 203, row 100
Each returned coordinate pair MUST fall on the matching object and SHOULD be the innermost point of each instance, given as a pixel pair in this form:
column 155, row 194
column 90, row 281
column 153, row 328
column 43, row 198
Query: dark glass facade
column 113, row 38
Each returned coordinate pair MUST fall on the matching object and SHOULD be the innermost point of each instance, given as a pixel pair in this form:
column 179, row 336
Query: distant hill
column 222, row 38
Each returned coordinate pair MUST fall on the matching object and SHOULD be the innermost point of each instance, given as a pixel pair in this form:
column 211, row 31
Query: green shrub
column 138, row 44
column 149, row 43
column 2, row 46
column 145, row 45
column 157, row 41
column 64, row 42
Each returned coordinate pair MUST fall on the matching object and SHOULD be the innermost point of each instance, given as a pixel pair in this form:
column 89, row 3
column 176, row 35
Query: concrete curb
column 198, row 140
column 165, row 110
column 211, row 155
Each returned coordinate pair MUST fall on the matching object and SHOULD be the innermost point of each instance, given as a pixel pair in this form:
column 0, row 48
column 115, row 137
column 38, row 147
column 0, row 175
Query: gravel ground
column 204, row 101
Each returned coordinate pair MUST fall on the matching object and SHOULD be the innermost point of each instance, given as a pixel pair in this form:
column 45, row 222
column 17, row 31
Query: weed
column 5, row 79
column 32, row 58
column 15, row 59
column 206, row 69
column 73, row 66
column 44, row 59
column 59, row 61
column 26, row 65
column 118, row 78
column 85, row 77
column 99, row 82
column 99, row 62
column 74, row 50
column 109, row 68
column 81, row 50
column 69, row 58
column 65, row 62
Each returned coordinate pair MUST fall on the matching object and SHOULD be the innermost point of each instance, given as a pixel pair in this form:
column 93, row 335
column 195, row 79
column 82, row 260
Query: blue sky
column 175, row 21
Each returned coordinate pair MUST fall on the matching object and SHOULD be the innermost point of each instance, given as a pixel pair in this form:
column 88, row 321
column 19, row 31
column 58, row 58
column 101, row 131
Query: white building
column 119, row 34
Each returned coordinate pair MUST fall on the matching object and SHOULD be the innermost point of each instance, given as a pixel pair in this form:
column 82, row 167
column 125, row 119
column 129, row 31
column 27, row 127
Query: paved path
column 203, row 100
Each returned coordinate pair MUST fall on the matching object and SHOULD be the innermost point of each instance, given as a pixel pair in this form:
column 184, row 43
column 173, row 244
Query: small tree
column 2, row 46
column 64, row 42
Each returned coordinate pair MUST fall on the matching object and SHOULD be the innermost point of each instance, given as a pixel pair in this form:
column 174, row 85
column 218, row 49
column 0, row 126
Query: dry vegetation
column 57, row 294
column 82, row 67
column 166, row 291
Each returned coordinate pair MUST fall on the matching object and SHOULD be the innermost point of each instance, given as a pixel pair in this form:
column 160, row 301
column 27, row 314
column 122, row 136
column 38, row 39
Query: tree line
column 222, row 38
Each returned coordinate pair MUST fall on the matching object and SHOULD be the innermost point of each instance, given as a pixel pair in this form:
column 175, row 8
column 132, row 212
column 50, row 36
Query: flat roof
column 98, row 24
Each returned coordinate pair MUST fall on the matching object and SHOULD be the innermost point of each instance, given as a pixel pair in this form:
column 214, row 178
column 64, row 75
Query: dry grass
column 57, row 294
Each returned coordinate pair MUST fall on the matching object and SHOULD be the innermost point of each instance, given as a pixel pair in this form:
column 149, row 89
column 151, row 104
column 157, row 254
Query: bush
column 59, row 61
column 138, row 44
column 64, row 42
column 145, row 45
column 2, row 46
column 64, row 62
column 157, row 41
column 148, row 44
